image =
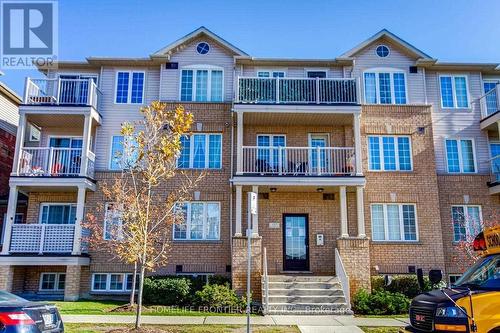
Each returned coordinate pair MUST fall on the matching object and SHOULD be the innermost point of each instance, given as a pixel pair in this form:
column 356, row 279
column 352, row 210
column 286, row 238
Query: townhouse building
column 372, row 162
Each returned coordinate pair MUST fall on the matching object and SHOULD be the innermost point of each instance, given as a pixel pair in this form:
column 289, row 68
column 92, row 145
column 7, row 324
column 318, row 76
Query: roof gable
column 201, row 31
column 384, row 33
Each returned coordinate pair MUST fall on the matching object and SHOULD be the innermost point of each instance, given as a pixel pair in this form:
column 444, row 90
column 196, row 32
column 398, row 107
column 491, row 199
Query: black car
column 20, row 315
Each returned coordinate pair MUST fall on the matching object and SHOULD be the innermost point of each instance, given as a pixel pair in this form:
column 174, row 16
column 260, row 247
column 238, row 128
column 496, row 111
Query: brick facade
column 240, row 263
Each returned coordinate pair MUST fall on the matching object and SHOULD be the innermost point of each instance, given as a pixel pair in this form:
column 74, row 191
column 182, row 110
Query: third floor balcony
column 280, row 90
column 490, row 107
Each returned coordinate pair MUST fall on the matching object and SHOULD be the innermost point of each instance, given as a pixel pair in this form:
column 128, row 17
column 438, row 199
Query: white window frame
column 401, row 223
column 396, row 153
column 465, row 209
column 388, row 48
column 105, row 222
column 207, row 146
column 111, row 156
column 270, row 71
column 453, row 91
column 129, row 91
column 205, row 219
column 36, row 137
column 48, row 204
column 108, row 282
column 391, row 72
column 208, row 68
column 56, row 281
column 460, row 157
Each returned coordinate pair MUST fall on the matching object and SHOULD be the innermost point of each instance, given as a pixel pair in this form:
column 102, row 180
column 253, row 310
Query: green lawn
column 88, row 307
column 380, row 329
column 101, row 328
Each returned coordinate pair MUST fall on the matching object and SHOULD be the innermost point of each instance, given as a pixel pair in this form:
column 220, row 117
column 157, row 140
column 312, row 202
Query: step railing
column 42, row 238
column 50, row 161
column 343, row 278
column 266, row 281
column 296, row 90
column 57, row 91
column 490, row 102
column 299, row 161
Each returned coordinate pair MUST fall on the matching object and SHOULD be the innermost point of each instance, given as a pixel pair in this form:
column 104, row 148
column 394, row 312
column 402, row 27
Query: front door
column 295, row 242
column 318, row 163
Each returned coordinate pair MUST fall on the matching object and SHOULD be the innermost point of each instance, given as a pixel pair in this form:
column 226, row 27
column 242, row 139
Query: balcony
column 42, row 238
column 298, row 161
column 494, row 183
column 319, row 91
column 490, row 105
column 55, row 162
column 62, row 92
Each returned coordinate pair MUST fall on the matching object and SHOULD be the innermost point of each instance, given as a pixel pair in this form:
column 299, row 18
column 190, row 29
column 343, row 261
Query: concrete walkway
column 320, row 324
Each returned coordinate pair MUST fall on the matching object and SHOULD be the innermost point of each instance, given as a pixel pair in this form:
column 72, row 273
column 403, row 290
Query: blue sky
column 450, row 30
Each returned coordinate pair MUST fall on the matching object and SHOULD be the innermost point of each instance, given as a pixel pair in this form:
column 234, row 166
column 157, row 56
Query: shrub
column 380, row 302
column 220, row 298
column 166, row 291
column 219, row 279
column 404, row 284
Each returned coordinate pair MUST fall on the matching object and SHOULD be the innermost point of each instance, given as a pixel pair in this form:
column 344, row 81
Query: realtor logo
column 28, row 32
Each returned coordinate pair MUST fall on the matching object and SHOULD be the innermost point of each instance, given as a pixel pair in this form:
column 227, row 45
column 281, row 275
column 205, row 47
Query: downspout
column 425, row 85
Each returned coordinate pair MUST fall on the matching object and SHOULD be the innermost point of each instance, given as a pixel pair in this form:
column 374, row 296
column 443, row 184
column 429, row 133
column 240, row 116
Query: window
column 270, row 73
column 18, row 218
column 200, row 221
column 385, row 87
column 389, row 153
column 34, row 134
column 112, row 222
column 316, row 74
column 460, row 155
column 454, row 91
column 202, row 48
column 57, row 213
column 118, row 158
column 129, row 87
column 52, row 281
column 394, row 222
column 112, row 282
column 269, row 155
column 467, row 222
column 382, row 51
column 202, row 85
column 201, row 151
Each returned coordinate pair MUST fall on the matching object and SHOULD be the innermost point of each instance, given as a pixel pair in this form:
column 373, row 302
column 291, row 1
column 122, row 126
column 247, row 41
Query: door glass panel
column 318, row 141
column 295, row 238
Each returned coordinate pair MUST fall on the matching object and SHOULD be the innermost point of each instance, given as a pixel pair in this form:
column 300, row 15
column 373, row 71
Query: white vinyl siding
column 394, row 222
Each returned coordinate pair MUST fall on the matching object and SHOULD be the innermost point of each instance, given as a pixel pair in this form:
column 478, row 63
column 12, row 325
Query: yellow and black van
column 472, row 304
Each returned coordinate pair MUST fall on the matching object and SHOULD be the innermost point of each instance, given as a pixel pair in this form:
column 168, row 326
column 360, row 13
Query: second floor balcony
column 62, row 92
column 279, row 90
column 55, row 162
column 490, row 107
column 42, row 238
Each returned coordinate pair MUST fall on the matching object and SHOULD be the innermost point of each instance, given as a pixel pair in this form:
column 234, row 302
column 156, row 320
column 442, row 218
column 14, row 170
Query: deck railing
column 296, row 90
column 42, row 238
column 343, row 278
column 299, row 161
column 59, row 91
column 50, row 161
column 490, row 102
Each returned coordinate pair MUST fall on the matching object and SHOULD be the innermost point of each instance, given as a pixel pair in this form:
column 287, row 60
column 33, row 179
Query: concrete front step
column 302, row 278
column 307, row 299
column 309, row 309
column 306, row 291
column 304, row 285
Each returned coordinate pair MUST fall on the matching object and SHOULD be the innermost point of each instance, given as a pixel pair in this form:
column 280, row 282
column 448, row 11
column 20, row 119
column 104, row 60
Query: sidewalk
column 304, row 322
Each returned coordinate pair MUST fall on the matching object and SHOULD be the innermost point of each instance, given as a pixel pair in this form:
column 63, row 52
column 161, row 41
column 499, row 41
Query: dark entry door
column 295, row 242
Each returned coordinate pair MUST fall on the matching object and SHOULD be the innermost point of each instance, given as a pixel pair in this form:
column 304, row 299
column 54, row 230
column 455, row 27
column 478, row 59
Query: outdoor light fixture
column 320, row 189
column 273, row 189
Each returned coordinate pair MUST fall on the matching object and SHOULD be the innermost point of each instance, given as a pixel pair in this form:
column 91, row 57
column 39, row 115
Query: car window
column 6, row 297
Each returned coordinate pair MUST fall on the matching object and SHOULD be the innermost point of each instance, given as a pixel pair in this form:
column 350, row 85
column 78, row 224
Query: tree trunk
column 134, row 281
column 139, row 298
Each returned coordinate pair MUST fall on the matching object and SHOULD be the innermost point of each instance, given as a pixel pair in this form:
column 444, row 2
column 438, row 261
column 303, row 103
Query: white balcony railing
column 299, row 161
column 42, row 238
column 296, row 90
column 495, row 169
column 50, row 161
column 59, row 91
column 490, row 102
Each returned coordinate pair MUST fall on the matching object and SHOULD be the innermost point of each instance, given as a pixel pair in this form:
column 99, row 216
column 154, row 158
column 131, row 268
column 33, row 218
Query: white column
column 360, row 212
column 255, row 220
column 9, row 221
column 357, row 144
column 87, row 131
column 80, row 208
column 21, row 130
column 239, row 196
column 344, row 232
column 239, row 143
